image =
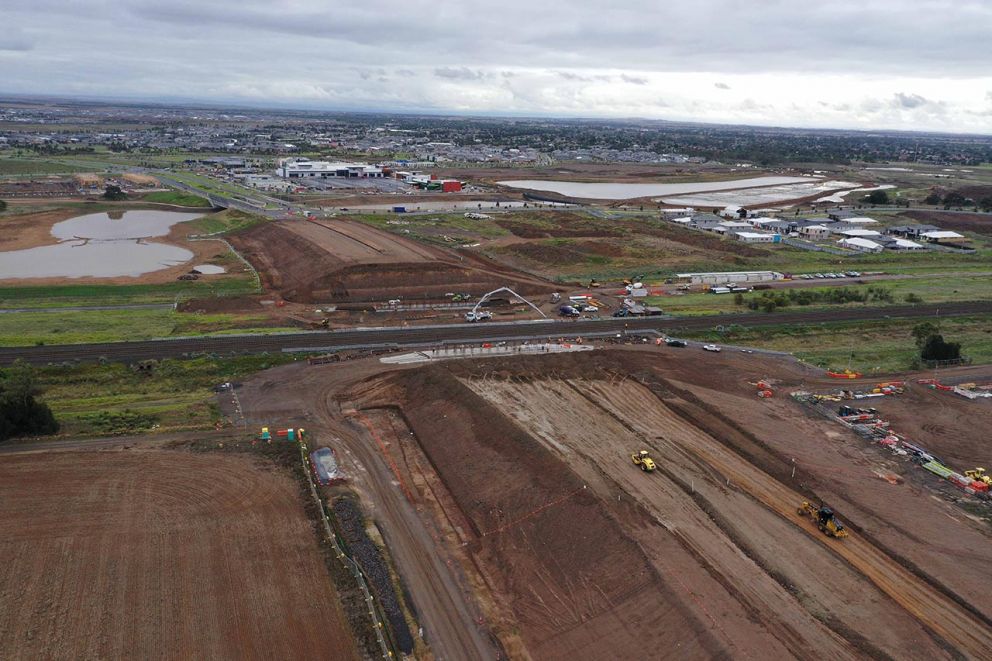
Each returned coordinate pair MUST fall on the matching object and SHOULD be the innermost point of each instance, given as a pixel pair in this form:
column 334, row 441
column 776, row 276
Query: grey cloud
column 909, row 100
column 633, row 80
column 460, row 73
column 13, row 39
column 721, row 86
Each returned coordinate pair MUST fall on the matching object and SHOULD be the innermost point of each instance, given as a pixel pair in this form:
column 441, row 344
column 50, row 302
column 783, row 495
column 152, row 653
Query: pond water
column 101, row 245
column 617, row 191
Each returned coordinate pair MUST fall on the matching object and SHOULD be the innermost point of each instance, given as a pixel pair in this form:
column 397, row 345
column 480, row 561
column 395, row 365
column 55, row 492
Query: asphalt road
column 370, row 338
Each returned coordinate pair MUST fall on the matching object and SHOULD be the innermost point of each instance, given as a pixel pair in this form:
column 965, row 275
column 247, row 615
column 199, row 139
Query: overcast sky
column 903, row 64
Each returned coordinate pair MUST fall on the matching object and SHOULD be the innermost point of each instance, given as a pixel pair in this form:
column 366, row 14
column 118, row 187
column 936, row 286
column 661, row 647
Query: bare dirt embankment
column 345, row 261
column 580, row 554
column 160, row 554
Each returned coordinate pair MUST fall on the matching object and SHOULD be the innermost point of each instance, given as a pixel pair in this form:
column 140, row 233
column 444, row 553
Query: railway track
column 373, row 338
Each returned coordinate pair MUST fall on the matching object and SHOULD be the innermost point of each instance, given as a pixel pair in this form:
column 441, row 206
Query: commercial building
column 305, row 168
column 726, row 277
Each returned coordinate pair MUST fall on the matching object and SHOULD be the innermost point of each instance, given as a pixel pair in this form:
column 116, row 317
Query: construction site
column 343, row 261
column 523, row 521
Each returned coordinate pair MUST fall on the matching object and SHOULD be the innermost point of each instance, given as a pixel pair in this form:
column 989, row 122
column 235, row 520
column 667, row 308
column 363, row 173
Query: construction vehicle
column 644, row 460
column 978, row 474
column 824, row 519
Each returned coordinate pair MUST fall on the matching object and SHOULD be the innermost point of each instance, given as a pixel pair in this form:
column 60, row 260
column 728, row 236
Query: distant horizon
column 888, row 65
column 255, row 105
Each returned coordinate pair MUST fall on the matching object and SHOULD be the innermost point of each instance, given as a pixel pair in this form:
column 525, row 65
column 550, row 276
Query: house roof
column 860, row 232
column 942, row 234
column 860, row 243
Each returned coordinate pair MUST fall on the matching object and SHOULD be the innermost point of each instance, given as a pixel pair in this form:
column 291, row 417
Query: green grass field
column 75, row 327
column 873, row 347
column 94, row 399
column 178, row 198
column 928, row 288
column 229, row 220
column 56, row 296
column 25, row 166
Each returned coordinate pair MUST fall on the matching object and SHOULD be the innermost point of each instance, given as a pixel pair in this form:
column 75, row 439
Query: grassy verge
column 922, row 289
column 178, row 198
column 56, row 296
column 16, row 166
column 871, row 347
column 429, row 227
column 94, row 399
column 75, row 327
column 229, row 220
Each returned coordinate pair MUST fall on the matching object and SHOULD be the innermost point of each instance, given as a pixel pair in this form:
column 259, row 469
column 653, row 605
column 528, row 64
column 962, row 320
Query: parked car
column 711, row 347
column 672, row 342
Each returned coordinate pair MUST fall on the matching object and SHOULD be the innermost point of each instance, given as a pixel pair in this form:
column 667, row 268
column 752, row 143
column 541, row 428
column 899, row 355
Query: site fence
column 806, row 245
column 963, row 360
column 347, row 562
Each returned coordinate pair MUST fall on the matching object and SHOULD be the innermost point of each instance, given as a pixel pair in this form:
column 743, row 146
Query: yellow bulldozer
column 644, row 460
column 824, row 519
column 978, row 474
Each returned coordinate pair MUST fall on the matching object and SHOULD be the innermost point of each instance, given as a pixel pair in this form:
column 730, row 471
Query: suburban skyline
column 900, row 65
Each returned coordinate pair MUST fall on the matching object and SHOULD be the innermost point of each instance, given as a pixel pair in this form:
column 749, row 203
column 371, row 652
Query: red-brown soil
column 518, row 472
column 160, row 554
column 345, row 261
column 543, row 225
column 533, row 456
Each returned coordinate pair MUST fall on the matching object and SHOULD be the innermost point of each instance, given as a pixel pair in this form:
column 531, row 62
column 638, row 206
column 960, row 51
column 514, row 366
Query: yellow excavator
column 824, row 519
column 644, row 460
column 978, row 475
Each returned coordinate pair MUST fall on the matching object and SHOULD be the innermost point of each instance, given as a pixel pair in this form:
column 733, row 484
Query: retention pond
column 101, row 245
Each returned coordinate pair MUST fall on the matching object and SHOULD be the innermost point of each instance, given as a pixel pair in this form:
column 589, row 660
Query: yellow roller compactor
column 644, row 460
column 824, row 519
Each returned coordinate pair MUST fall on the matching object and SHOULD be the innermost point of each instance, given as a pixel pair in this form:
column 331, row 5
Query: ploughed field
column 578, row 554
column 160, row 554
column 344, row 261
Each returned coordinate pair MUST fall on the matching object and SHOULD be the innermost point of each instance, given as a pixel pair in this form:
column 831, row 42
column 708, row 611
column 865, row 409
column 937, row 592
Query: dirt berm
column 550, row 549
column 706, row 557
column 345, row 261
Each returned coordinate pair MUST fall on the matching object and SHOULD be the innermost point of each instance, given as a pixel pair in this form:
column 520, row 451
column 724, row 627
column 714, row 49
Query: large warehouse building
column 300, row 168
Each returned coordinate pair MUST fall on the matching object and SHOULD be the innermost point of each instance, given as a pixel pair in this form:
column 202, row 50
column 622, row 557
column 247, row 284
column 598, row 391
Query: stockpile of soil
column 578, row 586
column 310, row 263
column 369, row 558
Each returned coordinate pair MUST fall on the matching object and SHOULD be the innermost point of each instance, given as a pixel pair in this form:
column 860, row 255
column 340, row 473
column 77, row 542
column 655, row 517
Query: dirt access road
column 299, row 395
column 157, row 553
